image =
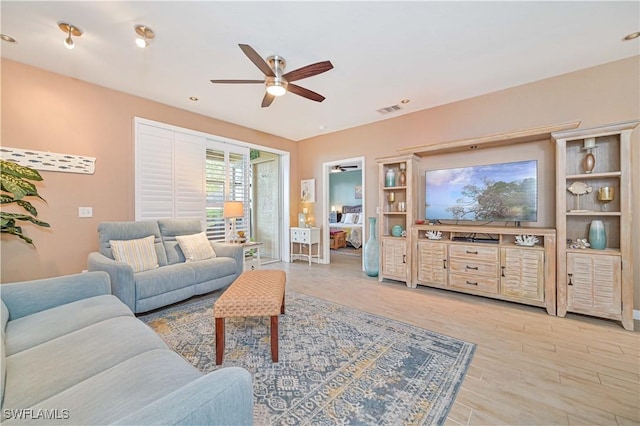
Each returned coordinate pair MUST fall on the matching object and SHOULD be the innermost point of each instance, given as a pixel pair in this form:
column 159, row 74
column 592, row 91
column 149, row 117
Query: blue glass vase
column 372, row 251
column 597, row 236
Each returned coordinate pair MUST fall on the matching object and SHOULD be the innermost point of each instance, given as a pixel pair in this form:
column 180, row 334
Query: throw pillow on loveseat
column 175, row 279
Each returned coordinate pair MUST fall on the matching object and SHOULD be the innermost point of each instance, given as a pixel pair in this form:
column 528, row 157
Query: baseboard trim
column 636, row 314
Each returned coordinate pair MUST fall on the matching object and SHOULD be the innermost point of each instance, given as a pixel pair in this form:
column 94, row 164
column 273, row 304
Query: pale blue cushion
column 212, row 269
column 163, row 280
column 123, row 389
column 120, row 231
column 42, row 371
column 43, row 326
column 169, row 228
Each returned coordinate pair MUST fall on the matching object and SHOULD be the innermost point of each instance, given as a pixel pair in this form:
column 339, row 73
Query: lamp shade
column 233, row 209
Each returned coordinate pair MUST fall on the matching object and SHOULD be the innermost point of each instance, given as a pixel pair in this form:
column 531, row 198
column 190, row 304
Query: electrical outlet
column 85, row 211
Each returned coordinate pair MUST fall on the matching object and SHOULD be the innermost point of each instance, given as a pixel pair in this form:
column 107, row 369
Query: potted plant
column 15, row 181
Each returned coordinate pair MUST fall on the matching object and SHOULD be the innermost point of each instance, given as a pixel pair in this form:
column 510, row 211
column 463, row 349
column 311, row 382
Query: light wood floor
column 529, row 367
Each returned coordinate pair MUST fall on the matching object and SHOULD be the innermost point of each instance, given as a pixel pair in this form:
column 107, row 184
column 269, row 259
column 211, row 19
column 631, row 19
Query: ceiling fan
column 340, row 168
column 278, row 83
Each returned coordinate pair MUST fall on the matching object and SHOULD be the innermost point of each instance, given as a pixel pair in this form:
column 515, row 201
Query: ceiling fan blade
column 266, row 101
column 237, row 81
column 257, row 60
column 305, row 93
column 308, row 71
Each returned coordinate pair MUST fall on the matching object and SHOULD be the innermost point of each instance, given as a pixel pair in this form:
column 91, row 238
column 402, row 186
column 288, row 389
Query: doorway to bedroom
column 344, row 207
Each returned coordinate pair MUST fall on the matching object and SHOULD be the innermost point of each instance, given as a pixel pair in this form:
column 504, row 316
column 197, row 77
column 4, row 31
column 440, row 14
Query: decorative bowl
column 396, row 230
column 526, row 240
column 434, row 235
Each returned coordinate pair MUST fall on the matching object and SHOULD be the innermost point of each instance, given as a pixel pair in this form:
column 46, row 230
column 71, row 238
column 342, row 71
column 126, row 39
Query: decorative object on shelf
column 402, row 206
column 580, row 243
column 241, row 237
column 589, row 161
column 605, row 196
column 419, row 222
column 308, row 191
column 434, row 235
column 402, row 178
column 390, row 178
column 391, row 196
column 396, row 230
column 232, row 210
column 597, row 235
column 372, row 251
column 578, row 189
column 526, row 240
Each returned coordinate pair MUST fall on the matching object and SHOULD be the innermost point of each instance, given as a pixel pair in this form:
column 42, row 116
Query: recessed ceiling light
column 405, row 101
column 632, row 36
column 7, row 38
column 193, row 98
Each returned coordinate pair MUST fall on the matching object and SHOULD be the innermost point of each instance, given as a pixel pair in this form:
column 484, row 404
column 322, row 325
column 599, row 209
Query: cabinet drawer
column 469, row 267
column 474, row 252
column 475, row 283
column 300, row 237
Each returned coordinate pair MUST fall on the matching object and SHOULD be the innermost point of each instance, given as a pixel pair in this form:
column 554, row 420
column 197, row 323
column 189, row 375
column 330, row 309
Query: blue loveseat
column 174, row 280
column 74, row 354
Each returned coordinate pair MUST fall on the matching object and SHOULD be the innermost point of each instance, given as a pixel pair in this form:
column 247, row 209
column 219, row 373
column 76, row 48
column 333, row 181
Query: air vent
column 389, row 109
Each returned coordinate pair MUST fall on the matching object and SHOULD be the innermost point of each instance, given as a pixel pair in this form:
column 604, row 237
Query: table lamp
column 231, row 211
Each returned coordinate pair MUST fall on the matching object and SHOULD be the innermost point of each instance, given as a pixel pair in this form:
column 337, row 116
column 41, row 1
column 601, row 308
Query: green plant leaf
column 17, row 231
column 7, row 199
column 18, row 187
column 15, row 169
column 28, row 207
column 24, row 217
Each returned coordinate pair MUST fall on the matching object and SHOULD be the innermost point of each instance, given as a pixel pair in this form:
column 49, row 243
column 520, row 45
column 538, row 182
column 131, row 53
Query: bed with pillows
column 351, row 222
column 156, row 263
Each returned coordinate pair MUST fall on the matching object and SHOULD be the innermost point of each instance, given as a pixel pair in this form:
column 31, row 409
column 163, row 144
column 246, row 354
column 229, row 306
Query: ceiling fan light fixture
column 276, row 86
column 144, row 35
column 71, row 30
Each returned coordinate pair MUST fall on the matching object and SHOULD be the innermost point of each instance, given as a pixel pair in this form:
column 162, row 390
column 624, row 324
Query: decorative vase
column 390, row 178
column 372, row 251
column 589, row 162
column 597, row 236
column 402, row 178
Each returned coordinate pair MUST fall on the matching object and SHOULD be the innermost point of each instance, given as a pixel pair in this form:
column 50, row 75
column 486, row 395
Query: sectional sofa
column 74, row 354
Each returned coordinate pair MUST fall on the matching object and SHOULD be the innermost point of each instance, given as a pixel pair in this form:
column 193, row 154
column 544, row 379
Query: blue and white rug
column 337, row 365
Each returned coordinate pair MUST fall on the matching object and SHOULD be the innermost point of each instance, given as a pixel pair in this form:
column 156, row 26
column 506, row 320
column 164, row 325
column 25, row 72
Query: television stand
column 486, row 261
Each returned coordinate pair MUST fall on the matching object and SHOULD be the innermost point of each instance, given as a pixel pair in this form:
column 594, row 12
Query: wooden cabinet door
column 394, row 258
column 522, row 273
column 594, row 284
column 432, row 263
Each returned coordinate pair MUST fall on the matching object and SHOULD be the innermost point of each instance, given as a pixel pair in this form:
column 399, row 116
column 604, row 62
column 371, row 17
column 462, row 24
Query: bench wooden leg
column 274, row 338
column 220, row 340
column 282, row 306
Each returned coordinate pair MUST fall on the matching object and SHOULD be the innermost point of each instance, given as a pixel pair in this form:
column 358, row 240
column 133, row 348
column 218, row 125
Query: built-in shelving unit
column 397, row 207
column 596, row 282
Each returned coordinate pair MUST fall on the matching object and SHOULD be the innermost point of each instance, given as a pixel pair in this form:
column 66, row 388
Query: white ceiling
column 432, row 53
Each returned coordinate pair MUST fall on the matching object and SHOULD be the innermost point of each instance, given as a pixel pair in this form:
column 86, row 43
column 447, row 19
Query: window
column 185, row 175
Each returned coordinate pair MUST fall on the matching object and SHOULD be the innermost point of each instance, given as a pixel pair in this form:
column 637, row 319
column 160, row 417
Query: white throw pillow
column 196, row 247
column 360, row 219
column 140, row 254
column 352, row 218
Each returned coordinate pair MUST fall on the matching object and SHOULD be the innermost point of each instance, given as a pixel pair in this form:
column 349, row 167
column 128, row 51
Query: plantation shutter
column 227, row 179
column 169, row 174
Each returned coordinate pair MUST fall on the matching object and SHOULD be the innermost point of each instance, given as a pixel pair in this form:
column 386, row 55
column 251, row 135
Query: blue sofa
column 174, row 280
column 74, row 354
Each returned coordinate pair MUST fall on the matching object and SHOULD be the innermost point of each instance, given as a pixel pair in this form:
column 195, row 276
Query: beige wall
column 49, row 112
column 596, row 96
column 45, row 111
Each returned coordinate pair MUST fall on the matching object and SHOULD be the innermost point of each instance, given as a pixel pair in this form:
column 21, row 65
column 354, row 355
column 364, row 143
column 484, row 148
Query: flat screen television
column 503, row 192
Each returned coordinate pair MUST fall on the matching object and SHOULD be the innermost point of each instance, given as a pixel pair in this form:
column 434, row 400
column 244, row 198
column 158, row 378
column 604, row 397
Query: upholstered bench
column 254, row 294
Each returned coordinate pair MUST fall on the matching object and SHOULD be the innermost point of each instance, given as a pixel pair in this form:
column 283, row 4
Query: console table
column 305, row 237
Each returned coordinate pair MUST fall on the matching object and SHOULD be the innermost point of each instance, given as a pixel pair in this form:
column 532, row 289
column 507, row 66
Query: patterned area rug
column 337, row 365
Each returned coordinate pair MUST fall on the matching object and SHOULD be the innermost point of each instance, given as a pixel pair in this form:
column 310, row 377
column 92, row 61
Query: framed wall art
column 308, row 191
